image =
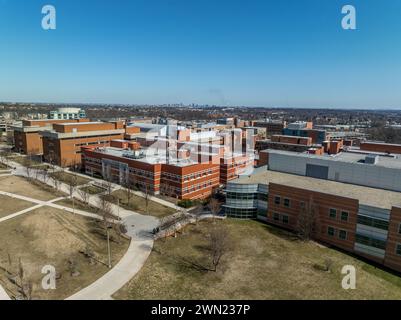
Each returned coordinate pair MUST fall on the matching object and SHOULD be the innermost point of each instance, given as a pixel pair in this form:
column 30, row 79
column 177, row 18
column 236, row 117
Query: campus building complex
column 171, row 160
column 27, row 138
column 62, row 145
column 67, row 114
column 358, row 219
column 353, row 199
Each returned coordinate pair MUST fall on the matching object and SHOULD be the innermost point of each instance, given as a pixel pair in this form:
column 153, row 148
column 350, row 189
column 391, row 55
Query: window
column 276, row 216
column 368, row 241
column 287, row 202
column 399, row 228
column 342, row 234
column 333, row 213
column 285, row 219
column 302, row 204
column 344, row 215
column 331, row 231
column 398, row 249
column 277, row 200
column 372, row 222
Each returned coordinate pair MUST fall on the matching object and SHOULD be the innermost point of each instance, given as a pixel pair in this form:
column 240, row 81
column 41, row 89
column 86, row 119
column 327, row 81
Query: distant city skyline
column 283, row 54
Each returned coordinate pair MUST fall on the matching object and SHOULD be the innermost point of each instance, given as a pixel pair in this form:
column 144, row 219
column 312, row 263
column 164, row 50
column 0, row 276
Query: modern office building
column 304, row 129
column 27, row 138
column 362, row 220
column 377, row 170
column 150, row 170
column 272, row 126
column 62, row 144
column 380, row 147
column 67, row 114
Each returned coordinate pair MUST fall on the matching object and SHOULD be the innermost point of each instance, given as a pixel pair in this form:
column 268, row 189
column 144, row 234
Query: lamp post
column 108, row 245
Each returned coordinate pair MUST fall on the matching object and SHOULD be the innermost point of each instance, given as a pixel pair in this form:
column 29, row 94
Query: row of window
column 332, row 211
column 372, row 222
column 241, row 213
column 343, row 214
column 242, row 196
column 376, row 243
column 280, row 218
column 286, row 201
column 332, row 232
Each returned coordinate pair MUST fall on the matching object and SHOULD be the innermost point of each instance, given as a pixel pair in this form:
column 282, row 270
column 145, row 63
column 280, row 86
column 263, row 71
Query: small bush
column 186, row 203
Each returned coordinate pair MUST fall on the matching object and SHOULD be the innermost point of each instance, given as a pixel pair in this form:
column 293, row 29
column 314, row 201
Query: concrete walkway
column 138, row 251
column 39, row 204
column 3, row 294
column 116, row 186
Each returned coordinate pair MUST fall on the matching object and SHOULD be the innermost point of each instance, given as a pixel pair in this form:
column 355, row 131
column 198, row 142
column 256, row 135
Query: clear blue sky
column 287, row 53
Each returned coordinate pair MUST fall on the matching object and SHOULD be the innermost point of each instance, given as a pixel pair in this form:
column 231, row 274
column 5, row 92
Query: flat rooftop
column 368, row 196
column 80, row 123
column 146, row 155
column 388, row 161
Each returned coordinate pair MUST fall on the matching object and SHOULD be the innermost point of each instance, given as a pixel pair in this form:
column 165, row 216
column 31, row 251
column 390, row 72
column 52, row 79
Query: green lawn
column 264, row 263
column 138, row 204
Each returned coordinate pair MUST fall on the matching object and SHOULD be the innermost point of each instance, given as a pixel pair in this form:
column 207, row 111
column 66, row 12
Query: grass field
column 265, row 263
column 138, row 204
column 69, row 177
column 11, row 205
column 77, row 205
column 24, row 187
column 48, row 236
column 93, row 189
column 3, row 166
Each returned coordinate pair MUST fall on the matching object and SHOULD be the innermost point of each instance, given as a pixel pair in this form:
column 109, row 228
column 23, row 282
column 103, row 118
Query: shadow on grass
column 281, row 233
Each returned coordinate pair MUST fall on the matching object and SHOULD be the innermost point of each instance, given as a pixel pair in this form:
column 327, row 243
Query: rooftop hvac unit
column 371, row 159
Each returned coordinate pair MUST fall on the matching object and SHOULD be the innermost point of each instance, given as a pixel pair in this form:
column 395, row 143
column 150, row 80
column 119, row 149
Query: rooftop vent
column 371, row 159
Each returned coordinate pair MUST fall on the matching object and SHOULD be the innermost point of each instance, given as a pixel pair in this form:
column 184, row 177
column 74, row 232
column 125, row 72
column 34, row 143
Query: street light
column 108, row 244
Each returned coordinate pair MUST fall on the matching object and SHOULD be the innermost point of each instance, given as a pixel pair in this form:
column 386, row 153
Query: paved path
column 39, row 204
column 3, row 294
column 138, row 193
column 135, row 257
column 139, row 229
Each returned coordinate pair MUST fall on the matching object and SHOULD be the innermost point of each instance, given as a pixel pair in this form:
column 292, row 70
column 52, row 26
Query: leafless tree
column 146, row 193
column 105, row 210
column 219, row 244
column 129, row 188
column 214, row 206
column 108, row 178
column 307, row 224
column 85, row 196
column 28, row 166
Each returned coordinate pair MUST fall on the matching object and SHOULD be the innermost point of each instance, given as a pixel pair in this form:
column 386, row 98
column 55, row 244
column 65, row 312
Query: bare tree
column 129, row 188
column 85, row 196
column 146, row 193
column 214, row 206
column 307, row 224
column 108, row 178
column 105, row 210
column 28, row 166
column 219, row 244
